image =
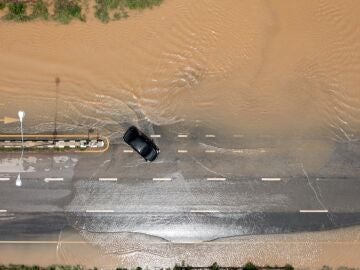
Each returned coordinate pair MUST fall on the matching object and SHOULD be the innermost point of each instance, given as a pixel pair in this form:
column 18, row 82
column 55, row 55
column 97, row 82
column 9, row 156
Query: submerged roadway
column 203, row 186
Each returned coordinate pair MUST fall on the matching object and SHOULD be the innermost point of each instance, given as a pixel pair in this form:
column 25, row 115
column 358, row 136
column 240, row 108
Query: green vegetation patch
column 40, row 10
column 2, row 4
column 142, row 4
column 250, row 266
column 67, row 10
column 176, row 267
column 107, row 10
column 16, row 12
column 64, row 11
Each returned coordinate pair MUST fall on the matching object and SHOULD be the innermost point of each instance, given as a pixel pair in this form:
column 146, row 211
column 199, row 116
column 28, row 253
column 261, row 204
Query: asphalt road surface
column 203, row 186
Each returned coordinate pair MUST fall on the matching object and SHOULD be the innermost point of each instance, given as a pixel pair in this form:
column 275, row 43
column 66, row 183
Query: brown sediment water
column 277, row 67
column 303, row 250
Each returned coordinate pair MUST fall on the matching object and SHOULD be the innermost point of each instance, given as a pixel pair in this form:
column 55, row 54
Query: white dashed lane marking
column 99, row 211
column 204, row 211
column 4, row 178
column 216, row 178
column 182, row 151
column 209, row 151
column 161, row 179
column 182, row 135
column 270, row 179
column 49, row 179
column 108, row 179
column 3, row 211
column 128, row 151
column 210, row 136
column 314, row 211
column 155, row 135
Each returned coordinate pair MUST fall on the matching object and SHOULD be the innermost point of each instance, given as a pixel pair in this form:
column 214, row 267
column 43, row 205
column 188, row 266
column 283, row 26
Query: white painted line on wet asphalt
column 237, row 151
column 182, row 151
column 209, row 151
column 49, row 179
column 270, row 179
column 216, row 178
column 42, row 242
column 155, row 136
column 162, row 179
column 314, row 211
column 3, row 211
column 99, row 211
column 128, row 151
column 204, row 211
column 108, row 179
column 182, row 135
column 4, row 178
column 210, row 136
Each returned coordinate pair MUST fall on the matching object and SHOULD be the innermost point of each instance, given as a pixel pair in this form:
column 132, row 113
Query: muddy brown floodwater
column 254, row 67
column 279, row 68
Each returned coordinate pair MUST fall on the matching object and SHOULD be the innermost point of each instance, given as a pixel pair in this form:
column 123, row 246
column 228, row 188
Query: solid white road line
column 43, row 242
column 209, row 151
column 53, row 179
column 182, row 135
column 162, row 179
column 182, row 151
column 314, row 211
column 155, row 135
column 4, row 178
column 204, row 211
column 99, row 211
column 210, row 136
column 128, row 151
column 216, row 179
column 3, row 211
column 108, row 179
column 270, row 179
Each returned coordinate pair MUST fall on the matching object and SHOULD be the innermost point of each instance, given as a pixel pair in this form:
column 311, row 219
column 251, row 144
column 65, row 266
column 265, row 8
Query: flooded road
column 281, row 75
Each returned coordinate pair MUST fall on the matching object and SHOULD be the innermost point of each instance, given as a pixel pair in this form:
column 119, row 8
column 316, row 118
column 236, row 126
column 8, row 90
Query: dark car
column 141, row 143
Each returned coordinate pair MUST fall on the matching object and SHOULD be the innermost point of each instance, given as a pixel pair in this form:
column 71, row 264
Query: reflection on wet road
column 242, row 187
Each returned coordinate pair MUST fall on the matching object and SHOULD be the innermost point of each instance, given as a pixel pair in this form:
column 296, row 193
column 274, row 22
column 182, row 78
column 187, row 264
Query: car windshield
column 146, row 150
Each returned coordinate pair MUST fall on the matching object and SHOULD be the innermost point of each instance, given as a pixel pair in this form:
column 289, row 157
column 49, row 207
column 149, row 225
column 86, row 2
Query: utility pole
column 57, row 82
column 21, row 115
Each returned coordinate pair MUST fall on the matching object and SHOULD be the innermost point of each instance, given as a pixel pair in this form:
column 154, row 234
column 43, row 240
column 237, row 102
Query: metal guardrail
column 42, row 142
